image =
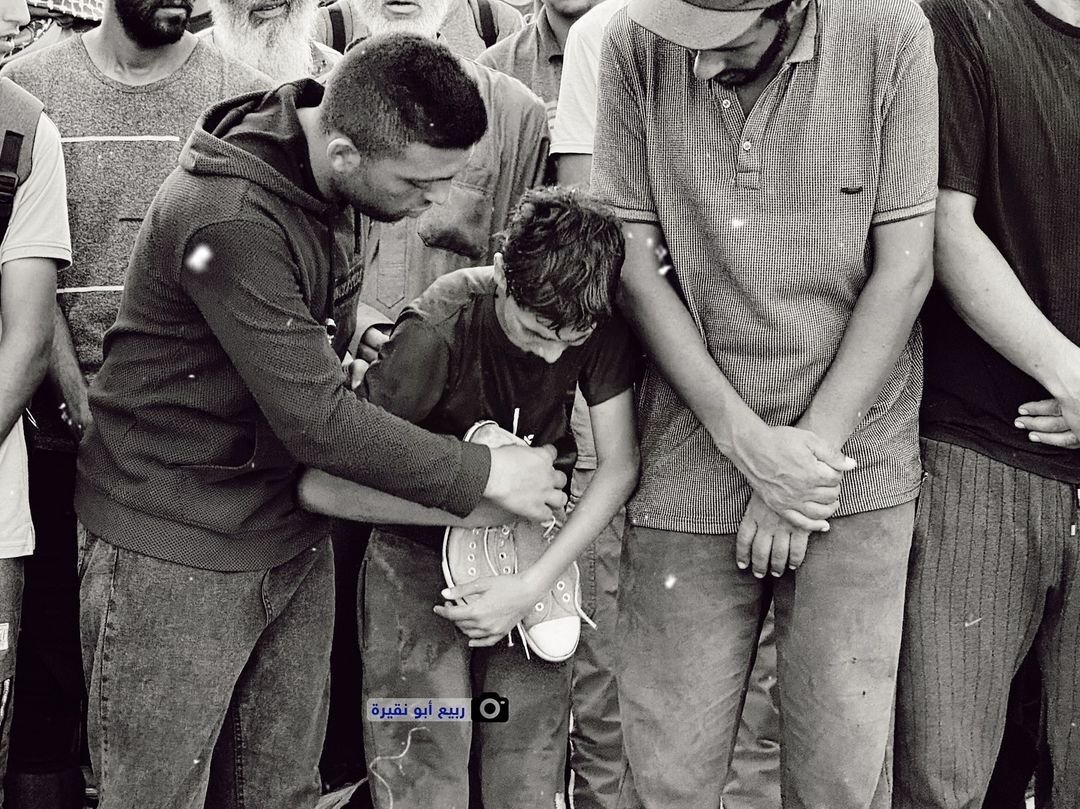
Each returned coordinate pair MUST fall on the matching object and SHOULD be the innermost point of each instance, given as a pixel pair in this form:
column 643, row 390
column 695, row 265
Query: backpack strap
column 19, row 124
column 338, row 38
column 484, row 16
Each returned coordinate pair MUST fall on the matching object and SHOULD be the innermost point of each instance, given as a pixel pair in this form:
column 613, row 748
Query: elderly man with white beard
column 274, row 36
column 466, row 27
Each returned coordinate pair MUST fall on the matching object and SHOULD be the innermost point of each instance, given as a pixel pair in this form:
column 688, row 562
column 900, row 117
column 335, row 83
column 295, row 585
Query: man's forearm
column 23, row 360
column 986, row 293
column 27, row 290
column 65, row 374
column 672, row 339
column 878, row 329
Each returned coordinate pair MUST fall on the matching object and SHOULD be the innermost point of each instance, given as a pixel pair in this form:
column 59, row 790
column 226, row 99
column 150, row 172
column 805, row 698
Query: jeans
column 410, row 652
column 206, row 688
column 596, row 743
column 689, row 622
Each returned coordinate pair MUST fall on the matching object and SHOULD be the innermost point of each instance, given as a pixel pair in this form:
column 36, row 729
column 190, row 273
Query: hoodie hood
column 258, row 137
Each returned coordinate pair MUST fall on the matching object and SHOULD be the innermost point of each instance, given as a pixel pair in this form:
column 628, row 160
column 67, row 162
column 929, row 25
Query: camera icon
column 490, row 707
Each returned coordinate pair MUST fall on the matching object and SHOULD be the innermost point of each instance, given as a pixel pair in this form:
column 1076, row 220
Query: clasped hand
column 795, row 477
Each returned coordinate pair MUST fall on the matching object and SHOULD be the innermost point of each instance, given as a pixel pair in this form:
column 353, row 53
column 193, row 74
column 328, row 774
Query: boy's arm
column 504, row 600
column 410, row 373
column 324, row 493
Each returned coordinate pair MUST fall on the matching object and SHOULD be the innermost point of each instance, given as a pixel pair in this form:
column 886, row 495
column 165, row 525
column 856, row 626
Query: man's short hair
column 562, row 255
column 390, row 91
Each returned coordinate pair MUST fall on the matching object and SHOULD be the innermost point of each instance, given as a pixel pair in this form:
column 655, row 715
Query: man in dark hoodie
column 207, row 592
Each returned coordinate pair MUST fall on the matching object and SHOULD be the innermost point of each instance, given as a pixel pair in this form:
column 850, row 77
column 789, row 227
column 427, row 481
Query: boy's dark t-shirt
column 1010, row 136
column 449, row 364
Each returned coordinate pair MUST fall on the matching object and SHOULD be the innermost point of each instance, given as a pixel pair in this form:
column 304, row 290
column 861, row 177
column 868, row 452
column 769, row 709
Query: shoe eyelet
column 561, row 585
column 566, row 597
column 502, row 555
column 506, row 530
column 472, row 558
column 506, row 570
column 472, row 546
column 539, row 606
column 472, row 571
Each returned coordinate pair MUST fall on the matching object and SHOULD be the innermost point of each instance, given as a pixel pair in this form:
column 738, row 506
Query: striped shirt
column 767, row 217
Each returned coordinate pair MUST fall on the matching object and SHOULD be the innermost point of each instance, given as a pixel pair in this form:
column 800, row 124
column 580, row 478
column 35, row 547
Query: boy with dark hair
column 502, row 343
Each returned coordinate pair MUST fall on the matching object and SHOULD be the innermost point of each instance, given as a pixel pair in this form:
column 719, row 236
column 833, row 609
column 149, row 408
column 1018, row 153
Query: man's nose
column 16, row 14
column 550, row 352
column 708, row 64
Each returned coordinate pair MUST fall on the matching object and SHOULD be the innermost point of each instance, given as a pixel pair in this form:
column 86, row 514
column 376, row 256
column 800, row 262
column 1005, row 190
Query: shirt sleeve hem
column 961, row 183
column 52, row 250
column 633, row 215
column 571, row 147
column 900, row 214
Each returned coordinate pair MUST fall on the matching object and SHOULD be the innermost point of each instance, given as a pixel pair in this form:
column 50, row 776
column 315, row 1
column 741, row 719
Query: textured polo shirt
column 767, row 216
column 534, row 57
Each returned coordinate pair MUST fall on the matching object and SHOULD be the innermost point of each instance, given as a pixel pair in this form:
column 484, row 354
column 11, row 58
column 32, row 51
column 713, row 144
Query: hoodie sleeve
column 242, row 278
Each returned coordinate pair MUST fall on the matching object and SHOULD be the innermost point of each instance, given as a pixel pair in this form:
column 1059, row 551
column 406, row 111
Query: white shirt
column 575, row 117
column 38, row 229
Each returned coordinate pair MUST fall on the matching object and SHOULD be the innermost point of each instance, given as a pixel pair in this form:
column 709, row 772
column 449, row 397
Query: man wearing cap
column 776, row 167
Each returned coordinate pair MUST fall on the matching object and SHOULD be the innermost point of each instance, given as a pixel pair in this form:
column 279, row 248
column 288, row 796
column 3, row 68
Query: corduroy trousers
column 994, row 571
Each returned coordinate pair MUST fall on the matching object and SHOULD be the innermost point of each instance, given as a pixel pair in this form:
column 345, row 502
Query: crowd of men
column 796, row 343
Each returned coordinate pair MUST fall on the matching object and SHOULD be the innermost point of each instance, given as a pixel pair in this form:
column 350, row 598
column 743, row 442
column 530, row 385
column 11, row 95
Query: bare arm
column 27, row 292
column 504, row 600
column 875, row 336
column 67, row 378
column 574, row 170
column 797, row 473
column 878, row 330
column 986, row 293
column 324, row 493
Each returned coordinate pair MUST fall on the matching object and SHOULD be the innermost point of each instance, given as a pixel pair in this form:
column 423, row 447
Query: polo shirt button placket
column 747, row 174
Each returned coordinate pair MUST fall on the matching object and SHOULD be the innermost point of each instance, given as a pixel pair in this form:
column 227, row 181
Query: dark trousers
column 44, row 764
column 994, row 574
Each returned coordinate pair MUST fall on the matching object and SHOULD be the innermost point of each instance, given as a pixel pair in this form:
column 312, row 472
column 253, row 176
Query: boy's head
column 558, row 271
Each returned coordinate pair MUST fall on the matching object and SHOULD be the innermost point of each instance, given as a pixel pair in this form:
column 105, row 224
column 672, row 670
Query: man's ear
column 342, row 155
column 500, row 272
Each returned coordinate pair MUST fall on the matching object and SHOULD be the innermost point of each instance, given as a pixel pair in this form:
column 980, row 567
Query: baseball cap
column 698, row 24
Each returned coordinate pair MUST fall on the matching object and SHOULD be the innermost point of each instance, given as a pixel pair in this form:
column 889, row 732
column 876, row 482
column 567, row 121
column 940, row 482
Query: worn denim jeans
column 597, row 756
column 689, row 621
column 206, row 689
column 410, row 652
column 596, row 744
